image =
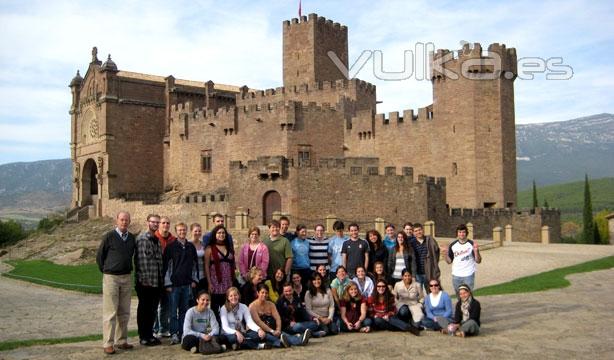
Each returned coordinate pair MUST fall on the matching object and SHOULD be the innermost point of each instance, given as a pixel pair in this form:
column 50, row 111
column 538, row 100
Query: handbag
column 209, row 347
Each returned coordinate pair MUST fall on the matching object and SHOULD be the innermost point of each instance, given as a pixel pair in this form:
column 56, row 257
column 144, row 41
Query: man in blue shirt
column 300, row 252
column 335, row 246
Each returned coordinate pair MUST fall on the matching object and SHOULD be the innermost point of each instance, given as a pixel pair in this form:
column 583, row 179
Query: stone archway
column 89, row 183
column 271, row 202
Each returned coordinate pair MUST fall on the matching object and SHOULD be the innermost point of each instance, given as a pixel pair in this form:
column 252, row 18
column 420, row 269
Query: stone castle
column 313, row 148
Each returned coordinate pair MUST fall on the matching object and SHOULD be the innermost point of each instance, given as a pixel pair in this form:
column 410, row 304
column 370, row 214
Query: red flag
column 300, row 13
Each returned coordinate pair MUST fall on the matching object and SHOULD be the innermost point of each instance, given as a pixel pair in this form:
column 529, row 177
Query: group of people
column 282, row 289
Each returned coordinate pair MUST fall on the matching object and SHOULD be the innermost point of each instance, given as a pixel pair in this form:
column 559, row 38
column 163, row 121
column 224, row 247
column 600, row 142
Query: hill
column 563, row 151
column 30, row 190
column 569, row 197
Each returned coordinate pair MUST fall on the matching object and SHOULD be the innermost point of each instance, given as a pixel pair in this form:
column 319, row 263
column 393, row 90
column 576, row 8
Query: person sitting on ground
column 249, row 290
column 409, row 297
column 267, row 317
column 320, row 305
column 200, row 328
column 466, row 320
column 323, row 271
column 365, row 284
column 382, row 310
column 353, row 310
column 297, row 285
column 379, row 272
column 276, row 284
column 438, row 307
column 238, row 328
column 339, row 284
column 294, row 317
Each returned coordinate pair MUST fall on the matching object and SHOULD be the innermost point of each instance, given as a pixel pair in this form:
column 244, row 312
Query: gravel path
column 552, row 324
column 31, row 311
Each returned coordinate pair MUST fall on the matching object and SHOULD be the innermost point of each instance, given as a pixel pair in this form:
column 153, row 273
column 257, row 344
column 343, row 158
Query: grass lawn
column 553, row 279
column 85, row 278
column 14, row 344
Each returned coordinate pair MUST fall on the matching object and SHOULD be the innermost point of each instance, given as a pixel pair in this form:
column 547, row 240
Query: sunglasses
column 381, row 286
column 433, row 285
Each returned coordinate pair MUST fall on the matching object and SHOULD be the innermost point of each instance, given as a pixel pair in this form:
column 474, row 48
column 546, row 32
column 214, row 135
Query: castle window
column 454, row 128
column 373, row 170
column 356, row 170
column 205, row 161
column 429, row 115
column 454, row 168
column 304, row 158
column 391, row 170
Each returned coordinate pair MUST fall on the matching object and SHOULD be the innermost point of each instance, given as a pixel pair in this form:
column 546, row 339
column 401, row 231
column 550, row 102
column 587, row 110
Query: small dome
column 77, row 80
column 109, row 65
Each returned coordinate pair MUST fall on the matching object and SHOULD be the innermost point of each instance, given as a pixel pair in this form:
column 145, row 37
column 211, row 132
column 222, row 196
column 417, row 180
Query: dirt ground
column 548, row 325
column 560, row 323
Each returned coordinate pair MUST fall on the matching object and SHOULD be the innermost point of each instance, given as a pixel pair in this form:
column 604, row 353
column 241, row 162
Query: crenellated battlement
column 473, row 62
column 343, row 85
column 314, row 19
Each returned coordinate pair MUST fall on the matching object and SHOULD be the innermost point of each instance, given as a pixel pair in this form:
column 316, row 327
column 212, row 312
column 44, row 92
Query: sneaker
column 165, row 334
column 175, row 339
column 305, row 337
column 155, row 341
column 223, row 347
column 194, row 349
column 234, row 346
column 261, row 346
column 284, row 341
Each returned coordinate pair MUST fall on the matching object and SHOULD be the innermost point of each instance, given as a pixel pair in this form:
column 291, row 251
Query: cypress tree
column 588, row 230
column 534, row 195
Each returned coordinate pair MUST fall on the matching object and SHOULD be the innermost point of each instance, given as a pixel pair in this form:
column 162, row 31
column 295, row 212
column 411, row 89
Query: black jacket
column 180, row 264
column 474, row 312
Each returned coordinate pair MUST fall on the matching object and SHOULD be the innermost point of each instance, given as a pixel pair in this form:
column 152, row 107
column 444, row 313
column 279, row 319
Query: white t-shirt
column 463, row 260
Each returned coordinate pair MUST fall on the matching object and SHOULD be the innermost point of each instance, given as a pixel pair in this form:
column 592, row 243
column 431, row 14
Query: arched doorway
column 89, row 183
column 271, row 202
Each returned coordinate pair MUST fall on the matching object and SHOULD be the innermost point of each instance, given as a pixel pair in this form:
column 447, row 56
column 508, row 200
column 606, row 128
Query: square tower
column 306, row 45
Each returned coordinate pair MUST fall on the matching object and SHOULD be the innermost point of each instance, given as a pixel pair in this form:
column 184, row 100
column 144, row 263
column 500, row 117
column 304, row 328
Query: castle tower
column 305, row 50
column 473, row 101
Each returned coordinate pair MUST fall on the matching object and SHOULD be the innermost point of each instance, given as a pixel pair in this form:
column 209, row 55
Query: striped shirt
column 318, row 252
column 421, row 251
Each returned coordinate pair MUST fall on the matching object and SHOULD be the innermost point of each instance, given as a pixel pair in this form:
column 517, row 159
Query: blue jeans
column 393, row 323
column 458, row 280
column 251, row 340
column 178, row 305
column 366, row 322
column 422, row 280
column 162, row 320
column 300, row 327
column 441, row 323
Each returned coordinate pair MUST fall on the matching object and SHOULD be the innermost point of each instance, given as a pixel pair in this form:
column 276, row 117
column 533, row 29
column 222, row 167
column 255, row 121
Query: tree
column 10, row 232
column 546, row 205
column 588, row 227
column 534, row 195
column 602, row 225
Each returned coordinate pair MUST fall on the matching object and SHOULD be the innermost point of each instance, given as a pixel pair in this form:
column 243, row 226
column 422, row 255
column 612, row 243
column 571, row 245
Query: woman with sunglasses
column 382, row 310
column 438, row 307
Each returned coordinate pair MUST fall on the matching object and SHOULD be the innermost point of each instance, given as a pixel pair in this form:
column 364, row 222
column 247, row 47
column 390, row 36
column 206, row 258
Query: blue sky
column 239, row 42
